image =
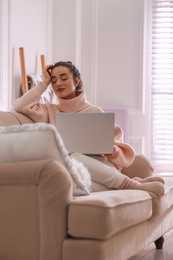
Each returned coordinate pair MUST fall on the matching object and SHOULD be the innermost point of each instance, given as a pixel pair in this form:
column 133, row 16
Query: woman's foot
column 149, row 179
column 155, row 187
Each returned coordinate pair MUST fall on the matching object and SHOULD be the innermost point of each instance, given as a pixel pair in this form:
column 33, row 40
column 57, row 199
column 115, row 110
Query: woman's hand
column 113, row 155
column 46, row 73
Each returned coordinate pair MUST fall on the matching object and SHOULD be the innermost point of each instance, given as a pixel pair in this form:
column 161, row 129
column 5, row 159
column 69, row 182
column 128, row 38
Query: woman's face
column 63, row 83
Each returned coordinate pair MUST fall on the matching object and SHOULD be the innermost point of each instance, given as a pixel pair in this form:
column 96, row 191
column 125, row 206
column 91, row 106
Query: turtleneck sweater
column 29, row 105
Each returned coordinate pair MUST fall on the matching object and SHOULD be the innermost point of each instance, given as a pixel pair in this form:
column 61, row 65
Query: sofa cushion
column 41, row 141
column 141, row 167
column 13, row 118
column 23, row 119
column 7, row 119
column 104, row 214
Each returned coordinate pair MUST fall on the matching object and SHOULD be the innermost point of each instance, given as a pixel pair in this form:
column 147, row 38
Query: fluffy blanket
column 18, row 137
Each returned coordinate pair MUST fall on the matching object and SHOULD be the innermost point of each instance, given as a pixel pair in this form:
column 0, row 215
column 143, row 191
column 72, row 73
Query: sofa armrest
column 34, row 197
column 141, row 167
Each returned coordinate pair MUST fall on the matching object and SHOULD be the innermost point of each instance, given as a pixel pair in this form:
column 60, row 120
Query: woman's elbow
column 17, row 106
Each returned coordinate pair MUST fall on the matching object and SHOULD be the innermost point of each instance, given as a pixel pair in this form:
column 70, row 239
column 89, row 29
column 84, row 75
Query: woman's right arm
column 29, row 104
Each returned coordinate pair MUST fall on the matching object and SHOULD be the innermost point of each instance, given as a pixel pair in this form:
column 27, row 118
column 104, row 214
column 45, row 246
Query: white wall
column 5, row 90
column 109, row 43
column 29, row 26
column 64, row 30
column 118, row 53
column 104, row 38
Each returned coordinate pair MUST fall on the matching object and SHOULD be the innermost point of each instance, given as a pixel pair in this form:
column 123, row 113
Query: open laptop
column 87, row 133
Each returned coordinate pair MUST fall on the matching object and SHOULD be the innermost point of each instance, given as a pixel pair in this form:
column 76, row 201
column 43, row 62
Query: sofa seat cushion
column 101, row 215
column 161, row 205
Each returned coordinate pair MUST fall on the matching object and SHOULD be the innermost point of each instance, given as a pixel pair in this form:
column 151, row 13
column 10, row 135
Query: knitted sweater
column 29, row 104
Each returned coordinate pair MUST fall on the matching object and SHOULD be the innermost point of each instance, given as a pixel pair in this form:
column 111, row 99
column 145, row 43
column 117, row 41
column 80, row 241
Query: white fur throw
column 41, row 141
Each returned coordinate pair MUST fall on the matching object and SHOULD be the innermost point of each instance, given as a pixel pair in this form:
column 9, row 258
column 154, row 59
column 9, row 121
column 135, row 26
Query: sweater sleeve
column 29, row 105
column 126, row 153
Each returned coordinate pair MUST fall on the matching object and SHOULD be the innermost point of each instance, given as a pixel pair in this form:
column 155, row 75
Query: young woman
column 68, row 87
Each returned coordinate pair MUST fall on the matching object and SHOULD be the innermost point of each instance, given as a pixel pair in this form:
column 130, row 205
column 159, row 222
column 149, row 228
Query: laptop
column 87, row 133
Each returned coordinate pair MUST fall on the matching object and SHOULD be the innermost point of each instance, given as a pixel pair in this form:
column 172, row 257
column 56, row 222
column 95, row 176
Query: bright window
column 162, row 84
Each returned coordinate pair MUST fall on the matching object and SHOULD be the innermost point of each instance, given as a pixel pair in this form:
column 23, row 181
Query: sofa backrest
column 13, row 118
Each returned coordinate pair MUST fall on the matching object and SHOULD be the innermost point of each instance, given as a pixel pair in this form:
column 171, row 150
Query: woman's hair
column 75, row 72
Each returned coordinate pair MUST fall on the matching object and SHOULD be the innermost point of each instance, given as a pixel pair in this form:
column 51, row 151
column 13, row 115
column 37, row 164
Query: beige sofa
column 40, row 219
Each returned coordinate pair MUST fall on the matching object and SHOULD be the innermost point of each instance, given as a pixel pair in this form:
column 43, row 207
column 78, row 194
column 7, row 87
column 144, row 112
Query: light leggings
column 102, row 172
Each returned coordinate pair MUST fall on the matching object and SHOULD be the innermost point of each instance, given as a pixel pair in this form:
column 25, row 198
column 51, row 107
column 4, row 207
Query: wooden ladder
column 23, row 69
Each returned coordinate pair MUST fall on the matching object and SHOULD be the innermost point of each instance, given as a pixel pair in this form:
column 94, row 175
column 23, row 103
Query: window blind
column 162, row 84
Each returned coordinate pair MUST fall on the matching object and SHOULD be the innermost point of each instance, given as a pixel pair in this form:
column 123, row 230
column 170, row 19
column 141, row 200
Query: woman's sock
column 155, row 187
column 149, row 179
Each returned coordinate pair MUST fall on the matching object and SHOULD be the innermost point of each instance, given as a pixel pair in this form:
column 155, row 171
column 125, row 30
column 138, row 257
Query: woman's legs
column 100, row 172
column 142, row 180
column 113, row 179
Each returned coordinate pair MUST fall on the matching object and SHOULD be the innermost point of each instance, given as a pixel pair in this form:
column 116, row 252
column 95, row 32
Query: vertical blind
column 162, row 83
